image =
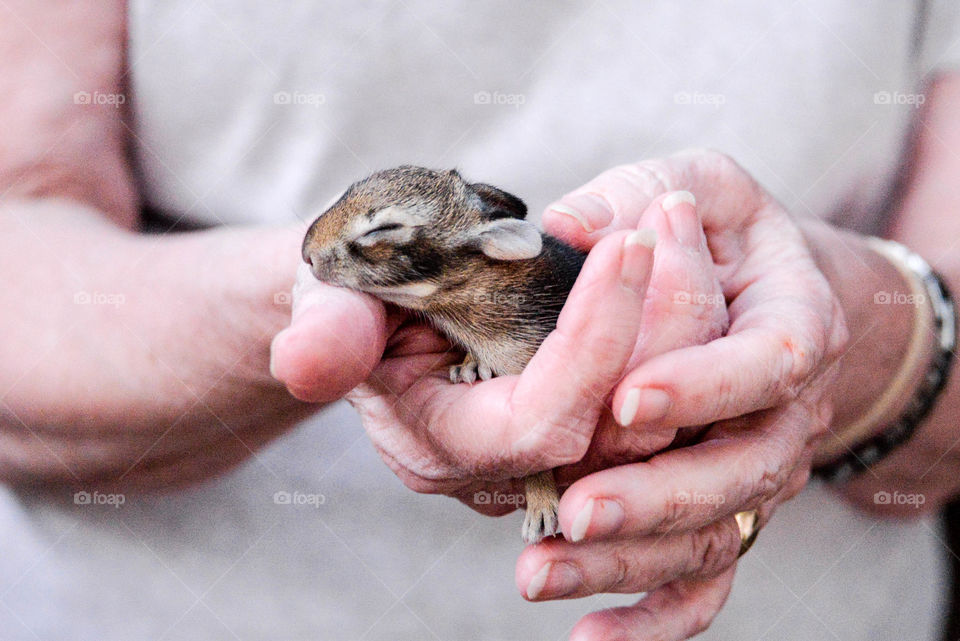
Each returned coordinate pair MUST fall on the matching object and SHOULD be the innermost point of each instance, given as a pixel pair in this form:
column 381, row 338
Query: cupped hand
column 335, row 340
column 665, row 526
column 460, row 439
column 472, row 442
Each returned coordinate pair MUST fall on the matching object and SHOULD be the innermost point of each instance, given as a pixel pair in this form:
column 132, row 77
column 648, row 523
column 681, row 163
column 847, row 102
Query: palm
column 416, row 418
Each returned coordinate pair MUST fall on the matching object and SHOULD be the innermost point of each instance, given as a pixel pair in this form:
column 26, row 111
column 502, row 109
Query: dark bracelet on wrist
column 862, row 456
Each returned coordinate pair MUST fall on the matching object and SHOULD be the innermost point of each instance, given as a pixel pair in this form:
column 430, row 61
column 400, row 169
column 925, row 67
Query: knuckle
column 726, row 395
column 797, row 482
column 767, row 484
column 653, row 177
column 715, row 161
column 702, row 620
column 552, row 443
column 713, row 549
column 419, row 483
column 721, row 163
column 798, row 355
column 804, row 352
column 428, row 476
column 677, row 509
column 820, row 422
column 840, row 331
column 621, row 571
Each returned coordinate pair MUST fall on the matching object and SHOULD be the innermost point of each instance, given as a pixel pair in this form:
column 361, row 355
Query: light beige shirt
column 253, row 111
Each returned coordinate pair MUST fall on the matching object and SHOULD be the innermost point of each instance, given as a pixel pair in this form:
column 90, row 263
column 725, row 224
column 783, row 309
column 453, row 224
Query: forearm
column 927, row 221
column 111, row 332
column 125, row 358
column 872, row 294
column 61, row 118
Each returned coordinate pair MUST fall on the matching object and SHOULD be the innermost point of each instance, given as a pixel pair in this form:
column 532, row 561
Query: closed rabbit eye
column 396, row 233
column 384, row 227
column 393, row 224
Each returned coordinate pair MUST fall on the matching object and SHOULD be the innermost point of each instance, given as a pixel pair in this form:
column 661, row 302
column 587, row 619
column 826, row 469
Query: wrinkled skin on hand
column 423, row 426
column 760, row 391
column 763, row 390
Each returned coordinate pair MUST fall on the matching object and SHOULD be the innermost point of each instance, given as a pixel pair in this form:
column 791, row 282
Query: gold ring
column 747, row 522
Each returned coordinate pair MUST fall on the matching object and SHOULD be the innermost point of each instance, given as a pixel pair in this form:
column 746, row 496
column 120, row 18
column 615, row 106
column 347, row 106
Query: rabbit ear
column 508, row 239
column 496, row 203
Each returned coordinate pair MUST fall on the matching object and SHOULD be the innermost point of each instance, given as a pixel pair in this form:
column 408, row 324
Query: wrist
column 241, row 289
column 882, row 312
column 913, row 384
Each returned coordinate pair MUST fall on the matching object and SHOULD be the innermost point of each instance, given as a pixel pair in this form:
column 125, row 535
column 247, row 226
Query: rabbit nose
column 307, row 253
column 321, row 264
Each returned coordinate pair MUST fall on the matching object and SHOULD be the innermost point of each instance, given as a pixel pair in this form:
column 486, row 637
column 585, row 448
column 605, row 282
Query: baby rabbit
column 461, row 256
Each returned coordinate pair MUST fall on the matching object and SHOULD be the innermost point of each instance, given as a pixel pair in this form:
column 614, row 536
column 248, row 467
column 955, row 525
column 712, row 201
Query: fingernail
column 646, row 237
column 601, row 517
column 553, row 580
column 644, row 406
column 273, row 370
column 592, row 212
column 628, row 409
column 683, row 221
column 538, row 581
column 637, row 257
column 677, row 197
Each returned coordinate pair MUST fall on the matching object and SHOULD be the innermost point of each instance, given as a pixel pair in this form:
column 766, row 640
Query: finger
column 741, row 464
column 613, row 201
column 411, row 339
column 414, row 352
column 556, row 569
column 335, row 340
column 513, row 425
column 685, row 305
column 563, row 390
column 676, row 611
column 773, row 348
column 780, row 304
column 616, row 199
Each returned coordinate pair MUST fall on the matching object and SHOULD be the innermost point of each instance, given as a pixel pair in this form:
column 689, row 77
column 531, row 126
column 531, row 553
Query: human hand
column 426, row 429
column 128, row 360
column 164, row 381
column 665, row 526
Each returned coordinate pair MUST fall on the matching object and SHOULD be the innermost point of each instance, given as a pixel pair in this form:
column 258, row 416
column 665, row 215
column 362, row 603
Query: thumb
column 334, row 341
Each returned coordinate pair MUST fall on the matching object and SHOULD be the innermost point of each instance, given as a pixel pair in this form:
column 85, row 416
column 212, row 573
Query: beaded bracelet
column 869, row 452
